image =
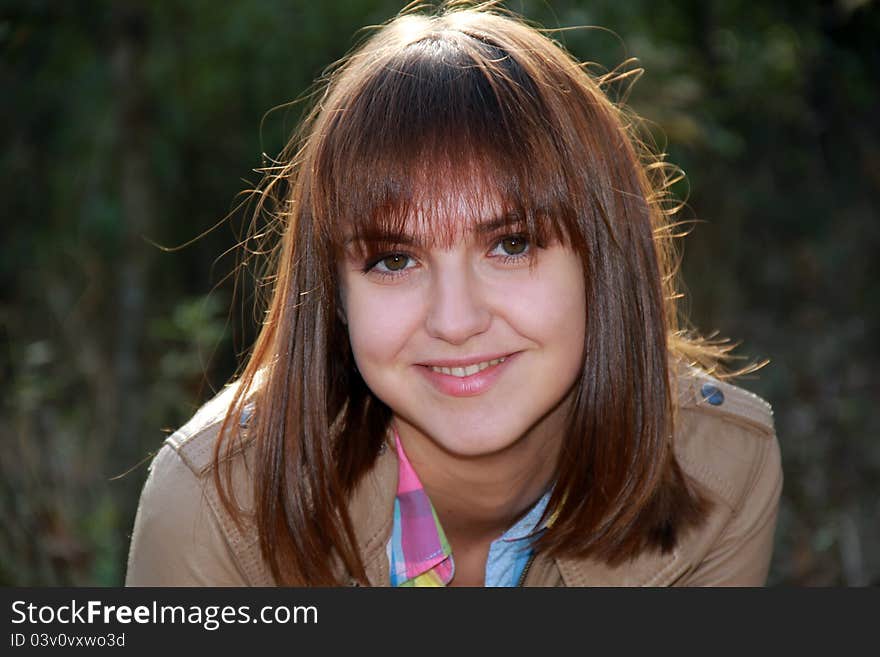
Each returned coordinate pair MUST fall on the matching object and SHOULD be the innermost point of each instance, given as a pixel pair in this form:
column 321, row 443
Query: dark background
column 128, row 125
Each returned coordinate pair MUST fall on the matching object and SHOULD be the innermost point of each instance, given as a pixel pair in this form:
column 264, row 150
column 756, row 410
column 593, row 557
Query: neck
column 477, row 498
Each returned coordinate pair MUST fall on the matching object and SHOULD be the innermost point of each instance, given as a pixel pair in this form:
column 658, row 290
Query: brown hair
column 462, row 94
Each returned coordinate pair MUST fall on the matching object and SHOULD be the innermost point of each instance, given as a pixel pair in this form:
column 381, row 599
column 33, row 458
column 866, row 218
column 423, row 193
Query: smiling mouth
column 469, row 370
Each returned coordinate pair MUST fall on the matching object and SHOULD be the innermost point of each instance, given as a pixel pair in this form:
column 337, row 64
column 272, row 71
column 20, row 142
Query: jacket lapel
column 651, row 569
column 371, row 510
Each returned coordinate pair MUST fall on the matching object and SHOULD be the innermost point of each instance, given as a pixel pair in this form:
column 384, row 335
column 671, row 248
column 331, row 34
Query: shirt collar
column 527, row 526
column 419, row 553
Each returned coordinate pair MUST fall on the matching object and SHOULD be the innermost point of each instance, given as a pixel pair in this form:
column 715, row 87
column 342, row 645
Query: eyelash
column 506, row 259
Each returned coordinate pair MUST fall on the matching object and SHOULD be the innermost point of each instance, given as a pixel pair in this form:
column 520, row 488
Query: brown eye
column 514, row 244
column 395, row 262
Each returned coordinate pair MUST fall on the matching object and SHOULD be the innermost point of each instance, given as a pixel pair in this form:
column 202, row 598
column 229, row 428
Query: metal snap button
column 712, row 394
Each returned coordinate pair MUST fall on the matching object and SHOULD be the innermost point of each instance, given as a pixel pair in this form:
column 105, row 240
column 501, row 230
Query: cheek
column 380, row 322
column 550, row 308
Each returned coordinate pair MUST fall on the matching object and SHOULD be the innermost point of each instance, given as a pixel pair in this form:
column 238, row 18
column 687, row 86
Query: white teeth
column 470, row 370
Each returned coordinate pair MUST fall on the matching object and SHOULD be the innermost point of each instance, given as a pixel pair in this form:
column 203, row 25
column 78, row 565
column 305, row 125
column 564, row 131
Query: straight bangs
column 448, row 132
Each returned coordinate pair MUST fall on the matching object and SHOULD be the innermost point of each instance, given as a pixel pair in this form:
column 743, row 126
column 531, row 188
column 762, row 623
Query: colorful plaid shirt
column 418, row 552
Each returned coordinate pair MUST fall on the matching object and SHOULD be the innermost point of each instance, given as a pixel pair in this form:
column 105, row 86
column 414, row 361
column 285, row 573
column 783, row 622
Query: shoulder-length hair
column 437, row 102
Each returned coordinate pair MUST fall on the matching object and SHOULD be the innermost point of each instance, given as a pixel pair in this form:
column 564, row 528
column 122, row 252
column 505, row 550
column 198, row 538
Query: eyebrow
column 483, row 227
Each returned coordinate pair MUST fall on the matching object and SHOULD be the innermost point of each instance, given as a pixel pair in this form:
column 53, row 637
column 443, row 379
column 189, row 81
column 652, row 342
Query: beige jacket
column 724, row 439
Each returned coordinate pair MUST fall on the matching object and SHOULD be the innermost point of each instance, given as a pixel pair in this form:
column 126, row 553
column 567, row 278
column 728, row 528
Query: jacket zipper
column 522, row 578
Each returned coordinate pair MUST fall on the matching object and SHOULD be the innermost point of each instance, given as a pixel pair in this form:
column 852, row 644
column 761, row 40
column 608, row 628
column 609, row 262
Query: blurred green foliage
column 134, row 124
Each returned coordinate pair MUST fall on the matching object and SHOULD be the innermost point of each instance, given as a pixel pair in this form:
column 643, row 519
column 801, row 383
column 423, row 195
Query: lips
column 466, row 377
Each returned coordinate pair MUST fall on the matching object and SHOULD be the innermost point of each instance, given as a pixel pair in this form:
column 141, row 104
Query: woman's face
column 473, row 345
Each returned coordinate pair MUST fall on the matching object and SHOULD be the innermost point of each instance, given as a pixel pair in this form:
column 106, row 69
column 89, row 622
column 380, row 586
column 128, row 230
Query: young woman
column 471, row 371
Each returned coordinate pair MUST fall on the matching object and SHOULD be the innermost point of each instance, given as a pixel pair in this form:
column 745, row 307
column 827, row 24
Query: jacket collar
column 371, row 510
column 652, row 569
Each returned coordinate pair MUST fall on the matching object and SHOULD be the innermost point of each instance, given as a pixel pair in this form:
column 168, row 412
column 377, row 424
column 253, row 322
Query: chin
column 473, row 442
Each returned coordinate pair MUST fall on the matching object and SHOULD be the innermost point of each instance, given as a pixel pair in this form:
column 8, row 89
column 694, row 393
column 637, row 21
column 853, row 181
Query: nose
column 457, row 309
